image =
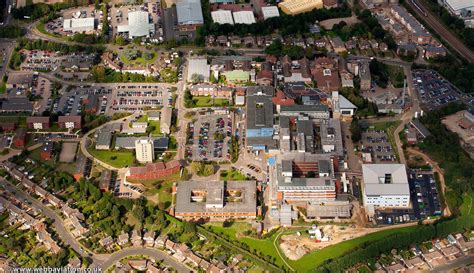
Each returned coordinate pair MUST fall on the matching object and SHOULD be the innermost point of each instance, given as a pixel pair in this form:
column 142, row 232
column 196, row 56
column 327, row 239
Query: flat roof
column 138, row 24
column 259, row 110
column 269, row 12
column 185, row 189
column 385, row 179
column 189, row 12
column 460, row 4
column 200, row 67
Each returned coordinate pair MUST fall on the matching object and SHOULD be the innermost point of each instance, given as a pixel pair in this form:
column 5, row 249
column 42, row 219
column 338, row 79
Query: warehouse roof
column 189, row 12
column 269, row 12
column 138, row 24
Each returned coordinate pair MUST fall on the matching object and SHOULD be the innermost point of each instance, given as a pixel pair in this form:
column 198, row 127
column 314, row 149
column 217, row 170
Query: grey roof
column 420, row 128
column 410, row 20
column 385, row 179
column 284, row 122
column 189, row 12
column 304, row 108
column 17, row 105
column 324, row 166
column 125, row 142
column 153, row 114
column 217, row 188
column 305, row 127
column 345, row 103
column 104, row 137
column 329, row 211
column 287, row 166
column 161, row 143
column 259, row 111
column 260, row 91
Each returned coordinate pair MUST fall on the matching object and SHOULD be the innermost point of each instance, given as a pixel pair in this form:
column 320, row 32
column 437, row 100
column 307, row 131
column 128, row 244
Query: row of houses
column 74, row 217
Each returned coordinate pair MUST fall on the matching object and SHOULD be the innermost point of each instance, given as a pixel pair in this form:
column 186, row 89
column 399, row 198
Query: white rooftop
column 222, row 17
column 269, row 12
column 138, row 24
column 199, row 67
column 385, row 179
column 189, row 12
column 457, row 5
column 79, row 23
column 244, row 17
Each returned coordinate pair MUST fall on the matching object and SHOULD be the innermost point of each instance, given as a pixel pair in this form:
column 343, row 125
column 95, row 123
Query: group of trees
column 11, row 31
column 402, row 240
column 53, row 46
column 368, row 27
column 285, row 24
column 36, row 11
column 379, row 72
column 444, row 147
column 277, row 48
column 107, row 75
column 202, row 168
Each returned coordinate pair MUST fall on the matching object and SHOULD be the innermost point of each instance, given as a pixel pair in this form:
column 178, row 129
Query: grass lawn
column 208, row 102
column 3, row 87
column 316, row 258
column 156, row 125
column 467, row 207
column 118, row 159
column 232, row 175
column 159, row 191
column 138, row 61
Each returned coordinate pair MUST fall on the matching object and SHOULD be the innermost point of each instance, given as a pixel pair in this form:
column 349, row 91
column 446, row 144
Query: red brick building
column 20, row 138
column 39, row 123
column 154, row 170
column 69, row 122
column 7, row 126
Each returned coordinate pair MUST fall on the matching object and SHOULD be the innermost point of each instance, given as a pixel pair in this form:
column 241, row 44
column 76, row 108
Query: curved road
column 434, row 22
column 151, row 252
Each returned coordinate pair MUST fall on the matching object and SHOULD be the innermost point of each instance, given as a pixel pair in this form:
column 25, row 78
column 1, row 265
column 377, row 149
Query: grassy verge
column 117, row 159
column 232, row 175
column 209, row 102
column 41, row 28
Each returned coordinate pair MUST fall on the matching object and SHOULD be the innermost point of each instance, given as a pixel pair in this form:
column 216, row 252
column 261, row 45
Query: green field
column 467, row 207
column 117, row 159
column 140, row 61
column 156, row 125
column 232, row 175
column 209, row 102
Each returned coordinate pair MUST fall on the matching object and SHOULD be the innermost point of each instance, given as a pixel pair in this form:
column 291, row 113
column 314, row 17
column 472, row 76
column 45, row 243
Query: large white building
column 199, row 68
column 269, row 12
column 222, row 17
column 461, row 8
column 139, row 25
column 385, row 185
column 244, row 17
column 79, row 24
column 144, row 150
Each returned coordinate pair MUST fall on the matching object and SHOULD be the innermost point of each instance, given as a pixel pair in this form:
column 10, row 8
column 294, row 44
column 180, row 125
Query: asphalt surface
column 150, row 252
column 460, row 262
column 434, row 22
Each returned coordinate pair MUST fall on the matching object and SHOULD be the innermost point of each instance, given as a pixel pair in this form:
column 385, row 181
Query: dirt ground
column 328, row 24
column 294, row 247
column 68, row 152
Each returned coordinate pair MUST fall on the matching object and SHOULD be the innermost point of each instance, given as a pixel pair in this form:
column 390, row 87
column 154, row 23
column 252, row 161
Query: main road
column 435, row 23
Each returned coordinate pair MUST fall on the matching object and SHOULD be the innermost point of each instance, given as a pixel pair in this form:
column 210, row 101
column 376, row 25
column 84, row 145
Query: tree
column 98, row 73
column 120, row 40
column 196, row 78
column 355, row 130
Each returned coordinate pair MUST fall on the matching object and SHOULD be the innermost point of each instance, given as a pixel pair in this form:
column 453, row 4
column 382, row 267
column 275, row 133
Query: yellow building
column 293, row 7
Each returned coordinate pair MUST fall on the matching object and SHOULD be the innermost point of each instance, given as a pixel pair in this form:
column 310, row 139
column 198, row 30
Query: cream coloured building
column 144, row 150
column 293, row 7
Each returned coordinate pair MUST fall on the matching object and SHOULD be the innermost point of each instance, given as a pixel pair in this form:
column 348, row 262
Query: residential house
column 137, row 238
column 38, row 123
column 123, row 238
column 160, row 241
column 149, row 238
column 69, row 122
column 106, row 242
column 434, row 51
column 337, row 44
